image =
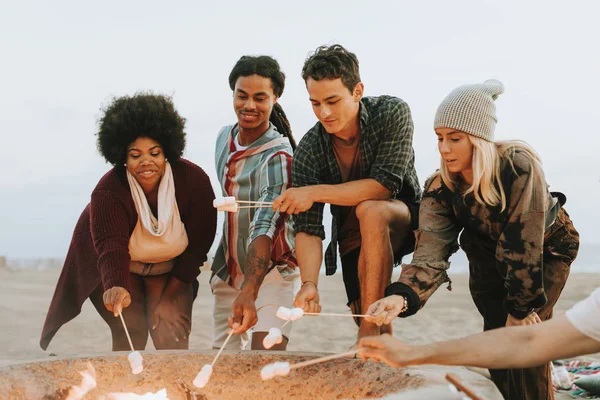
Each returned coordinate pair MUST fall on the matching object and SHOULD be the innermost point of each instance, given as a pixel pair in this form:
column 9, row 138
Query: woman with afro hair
column 138, row 246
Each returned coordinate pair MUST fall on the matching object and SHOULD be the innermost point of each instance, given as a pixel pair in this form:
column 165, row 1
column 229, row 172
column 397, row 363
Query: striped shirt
column 387, row 155
column 261, row 172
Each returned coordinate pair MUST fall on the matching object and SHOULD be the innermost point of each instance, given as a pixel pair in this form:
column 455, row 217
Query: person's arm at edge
column 513, row 347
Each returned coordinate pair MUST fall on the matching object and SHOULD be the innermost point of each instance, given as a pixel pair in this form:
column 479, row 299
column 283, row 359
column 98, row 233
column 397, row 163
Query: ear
column 275, row 99
column 358, row 91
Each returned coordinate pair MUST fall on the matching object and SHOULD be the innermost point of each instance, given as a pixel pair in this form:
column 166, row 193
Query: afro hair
column 142, row 115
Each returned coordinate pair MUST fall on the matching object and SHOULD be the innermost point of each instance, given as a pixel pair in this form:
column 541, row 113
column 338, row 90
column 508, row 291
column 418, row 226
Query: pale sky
column 62, row 60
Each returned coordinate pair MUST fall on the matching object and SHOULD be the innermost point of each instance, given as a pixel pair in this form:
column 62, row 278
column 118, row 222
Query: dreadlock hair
column 144, row 114
column 267, row 67
column 332, row 62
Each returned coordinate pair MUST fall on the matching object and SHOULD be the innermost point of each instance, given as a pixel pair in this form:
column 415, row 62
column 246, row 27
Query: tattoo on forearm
column 257, row 265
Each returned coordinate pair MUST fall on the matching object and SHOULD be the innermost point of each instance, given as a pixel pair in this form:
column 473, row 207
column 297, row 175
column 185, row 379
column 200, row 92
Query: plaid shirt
column 387, row 155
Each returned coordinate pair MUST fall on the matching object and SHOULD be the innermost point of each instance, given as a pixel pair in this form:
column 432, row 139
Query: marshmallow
column 274, row 337
column 284, row 313
column 267, row 372
column 296, row 314
column 229, row 207
column 270, row 371
column 224, row 201
column 135, row 360
column 282, row 368
column 203, row 376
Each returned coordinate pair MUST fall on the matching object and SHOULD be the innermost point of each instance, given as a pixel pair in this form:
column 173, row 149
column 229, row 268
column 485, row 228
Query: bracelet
column 405, row 306
column 305, row 282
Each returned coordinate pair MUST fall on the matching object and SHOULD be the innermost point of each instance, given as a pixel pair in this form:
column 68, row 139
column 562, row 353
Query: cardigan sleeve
column 200, row 224
column 109, row 223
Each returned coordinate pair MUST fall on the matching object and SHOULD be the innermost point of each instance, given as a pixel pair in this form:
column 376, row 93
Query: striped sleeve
column 275, row 178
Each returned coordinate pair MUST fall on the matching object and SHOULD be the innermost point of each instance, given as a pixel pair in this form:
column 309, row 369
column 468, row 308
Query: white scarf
column 159, row 239
column 166, row 202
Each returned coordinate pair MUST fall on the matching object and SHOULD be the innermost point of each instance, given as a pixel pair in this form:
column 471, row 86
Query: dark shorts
column 350, row 260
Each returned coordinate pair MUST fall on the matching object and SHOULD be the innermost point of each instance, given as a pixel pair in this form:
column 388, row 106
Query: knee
column 372, row 212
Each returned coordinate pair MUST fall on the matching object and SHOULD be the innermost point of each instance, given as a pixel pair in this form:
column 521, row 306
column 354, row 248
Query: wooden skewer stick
column 265, row 205
column 311, row 314
column 222, row 347
column 126, row 331
column 253, row 202
column 286, row 322
column 323, row 359
column 461, row 386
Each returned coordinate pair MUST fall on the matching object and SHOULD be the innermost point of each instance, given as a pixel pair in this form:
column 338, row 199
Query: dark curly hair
column 142, row 115
column 269, row 68
column 332, row 62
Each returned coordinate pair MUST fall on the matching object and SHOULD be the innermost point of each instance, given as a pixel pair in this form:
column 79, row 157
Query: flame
column 87, row 383
column 160, row 395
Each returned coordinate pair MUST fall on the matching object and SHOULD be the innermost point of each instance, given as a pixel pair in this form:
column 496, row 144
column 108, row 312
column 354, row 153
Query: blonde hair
column 486, row 163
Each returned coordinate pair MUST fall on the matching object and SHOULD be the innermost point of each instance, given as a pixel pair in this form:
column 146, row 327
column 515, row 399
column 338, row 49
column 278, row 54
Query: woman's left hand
column 167, row 312
column 531, row 319
column 385, row 310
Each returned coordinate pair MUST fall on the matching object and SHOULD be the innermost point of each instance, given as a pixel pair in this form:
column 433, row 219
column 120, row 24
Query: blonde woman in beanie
column 517, row 236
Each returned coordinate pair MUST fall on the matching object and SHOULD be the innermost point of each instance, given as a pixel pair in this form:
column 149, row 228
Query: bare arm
column 300, row 199
column 351, row 193
column 309, row 251
column 514, row 347
column 257, row 265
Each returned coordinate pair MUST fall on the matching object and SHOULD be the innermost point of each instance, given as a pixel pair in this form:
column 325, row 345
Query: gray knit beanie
column 471, row 109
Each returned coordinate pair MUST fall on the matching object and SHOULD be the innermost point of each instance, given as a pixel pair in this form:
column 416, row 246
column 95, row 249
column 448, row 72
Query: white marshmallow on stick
column 293, row 314
column 296, row 313
column 275, row 369
column 135, row 357
column 289, row 314
column 224, row 201
column 205, row 373
column 203, row 376
column 284, row 313
column 273, row 337
column 136, row 362
column 230, row 207
column 270, row 371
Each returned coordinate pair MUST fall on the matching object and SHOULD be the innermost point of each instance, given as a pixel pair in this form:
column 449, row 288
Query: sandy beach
column 25, row 296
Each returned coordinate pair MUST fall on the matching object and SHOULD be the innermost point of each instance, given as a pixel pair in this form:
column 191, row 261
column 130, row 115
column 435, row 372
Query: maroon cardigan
column 99, row 250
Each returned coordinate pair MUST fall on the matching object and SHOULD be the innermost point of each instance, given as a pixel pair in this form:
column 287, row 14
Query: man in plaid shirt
column 358, row 158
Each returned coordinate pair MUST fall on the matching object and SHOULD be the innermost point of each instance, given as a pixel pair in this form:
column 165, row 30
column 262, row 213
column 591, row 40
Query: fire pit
column 236, row 376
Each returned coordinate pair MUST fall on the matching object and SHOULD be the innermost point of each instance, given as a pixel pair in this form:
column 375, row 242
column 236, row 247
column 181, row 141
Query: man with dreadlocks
column 255, row 263
column 358, row 158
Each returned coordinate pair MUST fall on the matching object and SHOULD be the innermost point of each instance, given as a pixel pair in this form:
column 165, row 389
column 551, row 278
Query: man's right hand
column 244, row 313
column 116, row 299
column 387, row 349
column 308, row 298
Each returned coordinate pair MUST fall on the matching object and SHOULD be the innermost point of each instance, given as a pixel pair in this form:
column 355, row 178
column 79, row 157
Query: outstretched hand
column 387, row 349
column 294, row 200
column 385, row 310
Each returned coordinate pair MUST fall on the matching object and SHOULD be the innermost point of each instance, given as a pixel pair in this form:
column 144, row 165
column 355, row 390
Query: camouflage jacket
column 515, row 236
